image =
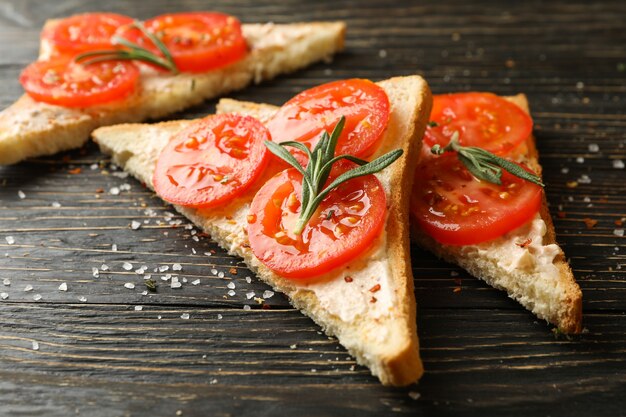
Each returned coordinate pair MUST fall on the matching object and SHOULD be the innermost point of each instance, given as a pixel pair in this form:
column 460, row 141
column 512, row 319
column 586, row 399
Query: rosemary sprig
column 133, row 52
column 483, row 164
column 317, row 171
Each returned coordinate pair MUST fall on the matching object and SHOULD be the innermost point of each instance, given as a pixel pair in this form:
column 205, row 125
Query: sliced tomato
column 306, row 116
column 84, row 32
column 344, row 225
column 482, row 119
column 212, row 161
column 63, row 82
column 198, row 41
column 455, row 208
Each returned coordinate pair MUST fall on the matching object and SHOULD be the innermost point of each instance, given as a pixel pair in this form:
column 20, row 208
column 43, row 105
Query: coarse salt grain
column 82, row 299
column 584, row 179
column 618, row 164
column 10, row 240
column 129, row 285
column 28, row 288
column 95, row 272
column 248, row 280
column 382, row 53
column 104, row 267
column 580, row 160
column 176, row 284
column 127, row 266
column 294, row 346
column 4, row 295
column 184, row 316
column 114, row 191
column 6, row 282
column 37, row 297
column 177, row 267
column 231, row 293
column 214, row 271
column 268, row 294
column 93, row 167
column 618, row 232
column 593, row 147
column 135, row 225
column 414, row 395
column 220, row 274
column 163, row 268
column 195, row 282
column 56, row 204
column 250, row 294
column 63, row 286
column 207, row 253
column 35, row 345
column 219, row 316
column 114, row 247
column 231, row 285
column 564, row 170
column 21, row 194
column 138, row 308
column 246, row 307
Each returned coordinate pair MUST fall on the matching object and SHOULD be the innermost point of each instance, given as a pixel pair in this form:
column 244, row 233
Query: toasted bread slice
column 537, row 275
column 29, row 128
column 377, row 327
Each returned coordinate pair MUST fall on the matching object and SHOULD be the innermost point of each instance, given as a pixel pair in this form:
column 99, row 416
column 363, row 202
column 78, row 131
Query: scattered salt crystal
column 220, row 274
column 82, row 299
column 593, row 147
column 144, row 292
column 139, row 271
column 121, row 175
column 195, row 282
column 195, row 238
column 219, row 316
column 37, row 297
column 138, row 308
column 382, row 53
column 586, row 199
column 10, row 240
column 414, row 395
column 93, row 167
column 250, row 294
column 231, row 285
column 294, row 346
column 231, row 293
column 127, row 266
column 63, row 287
column 177, row 267
column 580, row 160
column 248, row 280
column 129, row 285
column 125, row 187
column 618, row 232
column 104, row 267
column 4, row 295
column 56, row 204
column 114, row 191
column 6, row 282
column 313, row 370
column 246, row 307
column 135, row 225
column 159, row 317
column 207, row 253
column 176, row 284
column 193, row 250
column 213, row 381
column 163, row 268
column 165, row 277
column 584, row 179
column 268, row 294
column 184, row 316
column 618, row 164
column 28, row 288
column 580, row 85
column 21, row 194
column 114, row 247
column 214, row 271
column 35, row 345
column 564, row 170
column 184, row 280
column 95, row 272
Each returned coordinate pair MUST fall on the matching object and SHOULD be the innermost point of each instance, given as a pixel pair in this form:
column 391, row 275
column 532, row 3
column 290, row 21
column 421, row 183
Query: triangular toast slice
column 29, row 128
column 377, row 327
column 527, row 263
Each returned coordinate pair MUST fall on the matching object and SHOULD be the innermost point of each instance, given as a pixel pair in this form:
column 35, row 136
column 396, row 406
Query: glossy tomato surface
column 344, row 226
column 307, row 115
column 63, row 82
column 455, row 208
column 84, row 32
column 212, row 161
column 198, row 41
column 483, row 120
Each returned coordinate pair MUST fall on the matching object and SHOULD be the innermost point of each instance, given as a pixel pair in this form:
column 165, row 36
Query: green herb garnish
column 432, row 123
column 317, row 171
column 151, row 285
column 483, row 164
column 134, row 52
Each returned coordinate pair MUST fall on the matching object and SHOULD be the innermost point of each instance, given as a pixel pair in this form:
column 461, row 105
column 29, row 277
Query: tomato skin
column 84, row 32
column 344, row 226
column 198, row 41
column 483, row 120
column 63, row 82
column 455, row 208
column 303, row 118
column 212, row 161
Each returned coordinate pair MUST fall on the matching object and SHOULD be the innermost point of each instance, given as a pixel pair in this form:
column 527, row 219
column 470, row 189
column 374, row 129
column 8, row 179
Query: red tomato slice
column 85, row 32
column 303, row 118
column 482, row 119
column 212, row 161
column 63, row 82
column 455, row 208
column 344, row 226
column 198, row 41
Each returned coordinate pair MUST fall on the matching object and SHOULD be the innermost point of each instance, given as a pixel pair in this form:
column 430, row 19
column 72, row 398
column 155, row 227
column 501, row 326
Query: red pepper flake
column 99, row 190
column 561, row 214
column 75, row 171
column 265, row 307
column 348, row 278
column 590, row 223
column 603, row 200
column 373, row 300
column 619, row 222
column 375, row 288
column 571, row 184
column 457, row 289
column 233, row 271
column 524, row 243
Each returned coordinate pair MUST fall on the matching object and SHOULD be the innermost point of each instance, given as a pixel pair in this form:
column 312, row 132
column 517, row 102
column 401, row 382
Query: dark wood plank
column 483, row 353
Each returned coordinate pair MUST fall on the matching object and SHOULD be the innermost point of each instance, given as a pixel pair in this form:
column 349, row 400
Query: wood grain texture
column 104, row 351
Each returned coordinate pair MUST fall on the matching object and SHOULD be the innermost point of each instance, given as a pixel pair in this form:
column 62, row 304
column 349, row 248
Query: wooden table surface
column 107, row 350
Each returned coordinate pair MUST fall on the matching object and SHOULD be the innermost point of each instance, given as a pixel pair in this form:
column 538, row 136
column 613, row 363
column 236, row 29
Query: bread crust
column 567, row 316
